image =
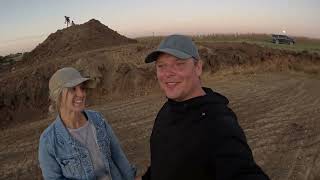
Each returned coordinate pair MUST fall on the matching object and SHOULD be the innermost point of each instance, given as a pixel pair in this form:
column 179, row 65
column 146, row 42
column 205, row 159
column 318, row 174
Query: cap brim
column 153, row 56
column 75, row 82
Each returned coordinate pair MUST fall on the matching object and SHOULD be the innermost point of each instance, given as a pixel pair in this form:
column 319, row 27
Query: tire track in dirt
column 282, row 125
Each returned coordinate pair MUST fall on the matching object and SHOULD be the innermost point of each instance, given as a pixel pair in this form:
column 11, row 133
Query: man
column 195, row 135
column 67, row 20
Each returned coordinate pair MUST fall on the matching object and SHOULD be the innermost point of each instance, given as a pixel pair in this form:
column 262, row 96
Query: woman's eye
column 72, row 89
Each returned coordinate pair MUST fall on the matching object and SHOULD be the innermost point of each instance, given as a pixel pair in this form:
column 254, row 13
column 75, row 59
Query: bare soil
column 279, row 113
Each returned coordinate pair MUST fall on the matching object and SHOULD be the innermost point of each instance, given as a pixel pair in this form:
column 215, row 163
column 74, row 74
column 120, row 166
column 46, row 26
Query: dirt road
column 279, row 112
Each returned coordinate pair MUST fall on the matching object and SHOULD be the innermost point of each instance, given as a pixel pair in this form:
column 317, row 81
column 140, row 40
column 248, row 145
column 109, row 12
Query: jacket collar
column 62, row 132
column 210, row 97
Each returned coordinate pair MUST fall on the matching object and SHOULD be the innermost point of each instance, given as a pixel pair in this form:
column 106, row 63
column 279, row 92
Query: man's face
column 179, row 79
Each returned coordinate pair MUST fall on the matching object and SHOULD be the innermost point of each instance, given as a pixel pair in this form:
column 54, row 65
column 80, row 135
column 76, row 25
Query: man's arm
column 147, row 174
column 232, row 156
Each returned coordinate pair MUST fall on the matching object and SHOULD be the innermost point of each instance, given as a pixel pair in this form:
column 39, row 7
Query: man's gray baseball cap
column 179, row 46
column 65, row 78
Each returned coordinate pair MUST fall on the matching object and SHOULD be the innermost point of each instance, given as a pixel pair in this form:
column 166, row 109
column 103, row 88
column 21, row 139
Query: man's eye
column 82, row 87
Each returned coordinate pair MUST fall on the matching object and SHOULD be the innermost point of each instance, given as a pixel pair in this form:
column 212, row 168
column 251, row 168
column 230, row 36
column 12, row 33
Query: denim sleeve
column 48, row 164
column 118, row 155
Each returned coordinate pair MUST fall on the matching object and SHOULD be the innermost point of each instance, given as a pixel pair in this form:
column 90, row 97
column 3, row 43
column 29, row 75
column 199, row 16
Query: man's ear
column 198, row 66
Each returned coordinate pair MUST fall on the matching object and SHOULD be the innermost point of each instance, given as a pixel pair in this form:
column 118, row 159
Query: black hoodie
column 200, row 139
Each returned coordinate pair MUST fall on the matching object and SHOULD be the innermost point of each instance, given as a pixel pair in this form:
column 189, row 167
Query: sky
column 26, row 23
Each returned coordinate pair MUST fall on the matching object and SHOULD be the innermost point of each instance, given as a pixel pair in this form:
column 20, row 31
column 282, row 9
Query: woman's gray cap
column 179, row 46
column 65, row 78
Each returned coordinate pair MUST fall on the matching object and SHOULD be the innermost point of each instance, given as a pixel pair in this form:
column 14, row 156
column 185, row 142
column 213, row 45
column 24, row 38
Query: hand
column 138, row 178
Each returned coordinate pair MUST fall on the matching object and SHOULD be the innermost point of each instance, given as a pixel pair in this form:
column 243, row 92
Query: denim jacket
column 63, row 157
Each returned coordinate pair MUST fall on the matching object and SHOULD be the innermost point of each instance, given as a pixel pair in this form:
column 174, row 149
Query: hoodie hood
column 210, row 97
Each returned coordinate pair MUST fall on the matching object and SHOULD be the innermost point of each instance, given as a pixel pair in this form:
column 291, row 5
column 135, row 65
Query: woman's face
column 73, row 99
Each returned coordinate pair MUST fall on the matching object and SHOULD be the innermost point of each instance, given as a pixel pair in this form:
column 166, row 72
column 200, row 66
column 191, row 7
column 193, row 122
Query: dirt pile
column 75, row 39
column 23, row 95
column 119, row 72
column 24, row 87
column 219, row 56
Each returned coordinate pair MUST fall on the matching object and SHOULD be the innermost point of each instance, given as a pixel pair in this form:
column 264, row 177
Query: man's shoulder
column 223, row 121
column 164, row 107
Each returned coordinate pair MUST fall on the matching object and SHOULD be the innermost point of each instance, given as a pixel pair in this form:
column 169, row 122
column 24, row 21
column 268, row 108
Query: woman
column 79, row 144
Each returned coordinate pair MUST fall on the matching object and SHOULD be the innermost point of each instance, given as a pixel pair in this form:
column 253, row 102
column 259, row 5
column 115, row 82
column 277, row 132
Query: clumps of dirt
column 114, row 80
column 218, row 56
column 78, row 38
column 24, row 95
column 26, row 92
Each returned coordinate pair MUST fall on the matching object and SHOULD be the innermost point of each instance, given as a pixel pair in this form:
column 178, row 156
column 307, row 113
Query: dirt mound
column 26, row 89
column 77, row 38
column 24, row 95
column 115, row 80
column 219, row 56
column 119, row 72
column 25, row 92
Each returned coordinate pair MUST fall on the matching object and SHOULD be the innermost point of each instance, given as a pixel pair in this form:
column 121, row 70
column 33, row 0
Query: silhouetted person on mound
column 67, row 20
column 72, row 23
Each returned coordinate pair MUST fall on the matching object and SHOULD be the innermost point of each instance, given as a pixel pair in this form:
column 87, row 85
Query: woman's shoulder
column 48, row 132
column 95, row 116
column 92, row 114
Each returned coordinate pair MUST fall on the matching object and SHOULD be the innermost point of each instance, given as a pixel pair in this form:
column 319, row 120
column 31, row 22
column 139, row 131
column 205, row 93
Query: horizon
column 27, row 25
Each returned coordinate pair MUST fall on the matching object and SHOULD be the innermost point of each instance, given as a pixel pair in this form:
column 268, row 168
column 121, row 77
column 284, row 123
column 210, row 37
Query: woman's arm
column 118, row 155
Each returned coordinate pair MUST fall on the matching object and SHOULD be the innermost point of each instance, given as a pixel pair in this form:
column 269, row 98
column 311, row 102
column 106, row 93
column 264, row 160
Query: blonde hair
column 55, row 100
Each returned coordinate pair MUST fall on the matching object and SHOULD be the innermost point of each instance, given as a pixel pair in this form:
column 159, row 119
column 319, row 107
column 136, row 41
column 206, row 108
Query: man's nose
column 170, row 71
